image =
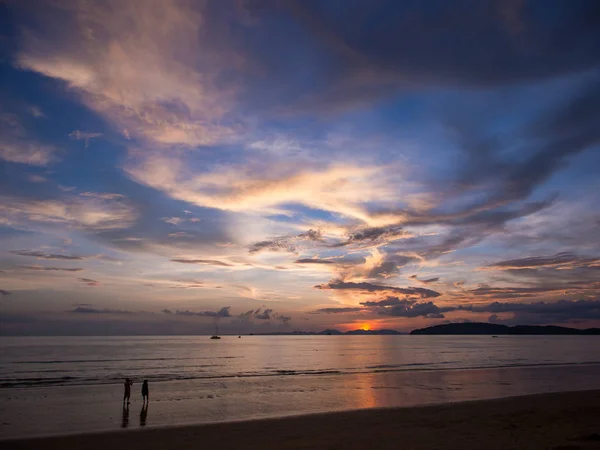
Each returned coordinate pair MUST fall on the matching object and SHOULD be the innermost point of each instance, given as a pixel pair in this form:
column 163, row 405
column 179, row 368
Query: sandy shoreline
column 568, row 420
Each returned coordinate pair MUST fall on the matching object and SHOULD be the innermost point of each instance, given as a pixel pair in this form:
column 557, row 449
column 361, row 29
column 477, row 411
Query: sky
column 169, row 165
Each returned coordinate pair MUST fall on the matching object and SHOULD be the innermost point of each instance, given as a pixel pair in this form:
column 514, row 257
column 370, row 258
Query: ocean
column 57, row 385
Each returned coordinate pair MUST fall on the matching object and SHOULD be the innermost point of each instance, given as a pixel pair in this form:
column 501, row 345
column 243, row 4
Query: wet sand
column 557, row 421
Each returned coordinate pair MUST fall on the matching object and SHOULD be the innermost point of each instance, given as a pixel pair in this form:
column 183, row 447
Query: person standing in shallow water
column 145, row 391
column 127, row 393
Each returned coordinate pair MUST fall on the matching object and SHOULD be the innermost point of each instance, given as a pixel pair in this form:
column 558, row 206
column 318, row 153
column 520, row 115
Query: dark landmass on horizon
column 496, row 329
column 329, row 332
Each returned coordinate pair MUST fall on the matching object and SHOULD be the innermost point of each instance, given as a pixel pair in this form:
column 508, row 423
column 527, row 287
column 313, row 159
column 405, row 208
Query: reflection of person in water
column 143, row 414
column 125, row 418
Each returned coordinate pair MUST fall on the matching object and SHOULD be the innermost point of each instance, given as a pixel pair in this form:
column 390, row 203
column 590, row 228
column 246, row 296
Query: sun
column 365, row 326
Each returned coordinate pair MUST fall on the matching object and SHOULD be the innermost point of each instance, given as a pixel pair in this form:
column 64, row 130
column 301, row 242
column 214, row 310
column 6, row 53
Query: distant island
column 330, row 332
column 495, row 329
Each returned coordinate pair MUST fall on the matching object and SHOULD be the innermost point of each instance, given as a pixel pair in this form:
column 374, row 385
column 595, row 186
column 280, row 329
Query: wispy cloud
column 223, row 312
column 210, row 262
column 371, row 287
column 17, row 146
column 53, row 269
column 93, row 213
column 84, row 136
column 44, row 255
column 89, row 281
column 90, row 310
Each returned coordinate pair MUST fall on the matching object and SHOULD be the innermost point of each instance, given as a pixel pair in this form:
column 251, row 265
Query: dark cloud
column 264, row 315
column 564, row 259
column 370, row 287
column 223, row 312
column 281, row 244
column 541, row 313
column 89, row 281
column 515, row 292
column 373, row 235
column 388, row 301
column 44, row 255
column 53, row 269
column 286, row 243
column 88, row 310
column 210, row 262
column 314, row 261
column 377, row 48
column 338, row 310
column 424, row 309
column 282, row 318
column 430, row 280
column 311, row 235
column 3, row 292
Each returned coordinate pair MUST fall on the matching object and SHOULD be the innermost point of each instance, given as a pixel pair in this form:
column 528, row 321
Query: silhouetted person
column 143, row 415
column 127, row 392
column 125, row 418
column 145, row 392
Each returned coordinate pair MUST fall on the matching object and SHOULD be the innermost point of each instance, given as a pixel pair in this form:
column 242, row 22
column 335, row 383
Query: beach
column 568, row 420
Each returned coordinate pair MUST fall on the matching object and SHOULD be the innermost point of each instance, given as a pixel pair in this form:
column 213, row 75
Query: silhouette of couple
column 127, row 394
column 145, row 401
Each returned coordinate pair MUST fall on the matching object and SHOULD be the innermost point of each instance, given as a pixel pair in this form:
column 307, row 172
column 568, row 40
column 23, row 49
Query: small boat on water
column 216, row 335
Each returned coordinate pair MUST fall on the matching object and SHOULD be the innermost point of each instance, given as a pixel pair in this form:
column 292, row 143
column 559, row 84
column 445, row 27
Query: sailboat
column 216, row 335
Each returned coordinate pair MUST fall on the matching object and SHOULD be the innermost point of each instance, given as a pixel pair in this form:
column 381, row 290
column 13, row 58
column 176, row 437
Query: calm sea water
column 34, row 361
column 72, row 384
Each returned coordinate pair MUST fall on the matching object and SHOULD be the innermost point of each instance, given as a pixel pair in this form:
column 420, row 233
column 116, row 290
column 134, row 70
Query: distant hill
column 330, row 332
column 377, row 332
column 495, row 329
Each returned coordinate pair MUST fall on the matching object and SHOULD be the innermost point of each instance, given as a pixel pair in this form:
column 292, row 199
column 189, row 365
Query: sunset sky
column 298, row 165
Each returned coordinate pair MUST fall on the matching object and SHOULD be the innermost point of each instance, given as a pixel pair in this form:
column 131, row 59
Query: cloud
column 314, row 261
column 388, row 301
column 37, row 112
column 274, row 245
column 173, row 220
column 88, row 310
column 3, row 292
column 383, row 50
column 515, row 291
column 428, row 280
column 89, row 281
column 17, row 147
column 43, row 255
column 264, row 186
column 53, row 269
column 312, row 235
column 264, row 315
column 180, row 234
column 223, row 312
column 424, row 309
column 339, row 310
column 564, row 260
column 211, row 262
column 370, row 287
column 374, row 235
column 178, row 101
column 84, row 136
column 103, row 196
column 91, row 213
